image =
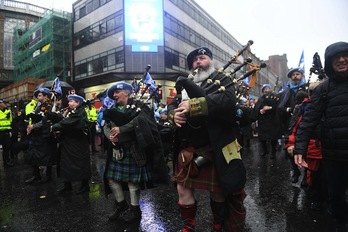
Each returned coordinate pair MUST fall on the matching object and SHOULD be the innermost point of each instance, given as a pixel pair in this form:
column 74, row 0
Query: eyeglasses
column 341, row 55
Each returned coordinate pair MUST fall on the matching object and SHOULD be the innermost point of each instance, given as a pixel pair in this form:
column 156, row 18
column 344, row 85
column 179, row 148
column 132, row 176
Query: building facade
column 115, row 40
column 14, row 14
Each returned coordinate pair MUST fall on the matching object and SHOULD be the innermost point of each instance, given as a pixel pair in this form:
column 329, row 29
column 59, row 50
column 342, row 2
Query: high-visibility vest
column 5, row 120
column 92, row 114
column 30, row 107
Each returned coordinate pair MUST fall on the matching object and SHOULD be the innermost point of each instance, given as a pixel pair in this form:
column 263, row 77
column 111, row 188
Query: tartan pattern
column 207, row 178
column 126, row 170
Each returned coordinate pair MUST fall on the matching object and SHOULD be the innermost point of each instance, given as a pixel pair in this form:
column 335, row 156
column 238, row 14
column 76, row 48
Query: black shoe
column 66, row 188
column 33, row 180
column 120, row 207
column 133, row 214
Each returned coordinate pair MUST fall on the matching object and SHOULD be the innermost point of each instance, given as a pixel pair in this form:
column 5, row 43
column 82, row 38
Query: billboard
column 143, row 24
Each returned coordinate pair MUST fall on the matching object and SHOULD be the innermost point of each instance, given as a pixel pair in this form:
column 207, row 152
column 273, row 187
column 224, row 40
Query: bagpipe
column 214, row 84
column 317, row 68
column 135, row 104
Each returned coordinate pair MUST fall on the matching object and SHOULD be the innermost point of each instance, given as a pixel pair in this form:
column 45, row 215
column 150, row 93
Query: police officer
column 92, row 116
column 5, row 133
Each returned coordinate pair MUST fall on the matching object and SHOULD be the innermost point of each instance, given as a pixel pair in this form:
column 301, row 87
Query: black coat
column 327, row 107
column 42, row 145
column 222, row 127
column 147, row 137
column 269, row 126
column 75, row 158
column 287, row 99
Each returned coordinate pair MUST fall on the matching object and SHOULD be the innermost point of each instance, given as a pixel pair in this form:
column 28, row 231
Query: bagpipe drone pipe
column 220, row 81
column 136, row 104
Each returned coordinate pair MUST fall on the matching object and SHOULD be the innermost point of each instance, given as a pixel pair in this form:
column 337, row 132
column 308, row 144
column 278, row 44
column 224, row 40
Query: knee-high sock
column 188, row 215
column 117, row 191
column 134, row 192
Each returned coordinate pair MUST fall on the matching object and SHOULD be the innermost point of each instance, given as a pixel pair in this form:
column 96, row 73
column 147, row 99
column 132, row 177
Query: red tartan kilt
column 206, row 179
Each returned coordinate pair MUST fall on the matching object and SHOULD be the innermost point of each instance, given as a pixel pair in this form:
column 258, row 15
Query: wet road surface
column 273, row 203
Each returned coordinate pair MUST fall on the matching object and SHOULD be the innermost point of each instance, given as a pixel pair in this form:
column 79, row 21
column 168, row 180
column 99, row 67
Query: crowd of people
column 202, row 132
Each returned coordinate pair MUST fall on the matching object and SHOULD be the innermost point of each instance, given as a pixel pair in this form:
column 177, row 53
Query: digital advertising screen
column 143, row 24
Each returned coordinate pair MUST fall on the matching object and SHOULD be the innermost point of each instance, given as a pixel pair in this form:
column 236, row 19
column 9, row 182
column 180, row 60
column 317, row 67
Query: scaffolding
column 44, row 50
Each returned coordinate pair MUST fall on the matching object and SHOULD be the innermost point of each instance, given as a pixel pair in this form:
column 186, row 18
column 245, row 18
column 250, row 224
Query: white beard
column 203, row 75
column 198, row 79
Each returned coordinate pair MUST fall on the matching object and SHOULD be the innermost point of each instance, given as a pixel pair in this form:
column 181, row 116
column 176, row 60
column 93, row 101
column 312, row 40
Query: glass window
column 119, row 20
column 111, row 59
column 110, row 25
column 89, row 7
column 81, row 69
column 119, row 57
column 102, row 28
column 82, row 11
column 96, row 4
column 77, row 14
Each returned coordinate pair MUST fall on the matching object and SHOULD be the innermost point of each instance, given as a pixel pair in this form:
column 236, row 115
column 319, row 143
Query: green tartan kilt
column 126, row 170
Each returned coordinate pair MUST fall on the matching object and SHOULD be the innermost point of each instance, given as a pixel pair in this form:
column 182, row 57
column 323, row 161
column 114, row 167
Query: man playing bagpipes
column 207, row 152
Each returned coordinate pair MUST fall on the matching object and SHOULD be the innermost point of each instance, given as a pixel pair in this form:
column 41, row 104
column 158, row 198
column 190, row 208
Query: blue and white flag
column 107, row 102
column 246, row 80
column 56, row 86
column 301, row 65
column 149, row 81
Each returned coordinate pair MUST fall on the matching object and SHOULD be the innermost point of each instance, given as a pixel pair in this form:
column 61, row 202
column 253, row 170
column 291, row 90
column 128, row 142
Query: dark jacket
column 268, row 123
column 287, row 99
column 144, row 132
column 221, row 128
column 328, row 107
column 42, row 145
column 75, row 159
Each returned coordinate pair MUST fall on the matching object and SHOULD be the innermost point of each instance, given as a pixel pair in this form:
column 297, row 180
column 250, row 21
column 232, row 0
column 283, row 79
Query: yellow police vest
column 92, row 114
column 5, row 120
column 30, row 107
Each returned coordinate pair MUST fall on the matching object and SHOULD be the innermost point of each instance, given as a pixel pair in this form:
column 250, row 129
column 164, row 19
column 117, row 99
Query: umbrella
column 48, row 84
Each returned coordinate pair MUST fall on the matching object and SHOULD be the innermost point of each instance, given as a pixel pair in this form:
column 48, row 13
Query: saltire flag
column 246, row 80
column 56, row 87
column 149, row 81
column 103, row 98
column 301, row 65
column 285, row 85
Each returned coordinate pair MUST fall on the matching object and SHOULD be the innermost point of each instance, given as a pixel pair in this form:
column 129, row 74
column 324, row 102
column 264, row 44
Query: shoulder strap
column 324, row 97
